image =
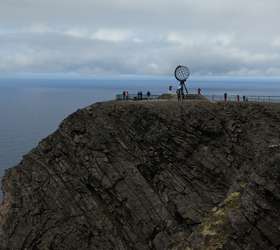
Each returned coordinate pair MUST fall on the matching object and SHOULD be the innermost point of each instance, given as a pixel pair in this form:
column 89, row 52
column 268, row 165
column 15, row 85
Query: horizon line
column 25, row 75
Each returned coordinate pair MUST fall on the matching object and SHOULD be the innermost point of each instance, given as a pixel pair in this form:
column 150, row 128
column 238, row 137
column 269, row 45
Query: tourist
column 199, row 91
column 170, row 89
column 148, row 95
column 225, row 97
column 178, row 94
column 238, row 98
column 126, row 95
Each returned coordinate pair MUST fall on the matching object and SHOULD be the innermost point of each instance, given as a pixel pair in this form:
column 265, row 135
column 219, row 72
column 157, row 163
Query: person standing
column 178, row 92
column 225, row 97
column 170, row 88
column 148, row 94
column 199, row 91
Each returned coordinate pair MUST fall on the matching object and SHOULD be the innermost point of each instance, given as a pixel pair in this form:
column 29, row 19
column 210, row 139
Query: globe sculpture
column 182, row 73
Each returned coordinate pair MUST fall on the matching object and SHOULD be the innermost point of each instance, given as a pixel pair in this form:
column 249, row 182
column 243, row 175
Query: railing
column 234, row 98
column 273, row 99
column 212, row 98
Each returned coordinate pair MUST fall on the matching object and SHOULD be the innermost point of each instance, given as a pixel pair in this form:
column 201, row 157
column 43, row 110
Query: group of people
column 139, row 95
column 125, row 95
column 244, row 98
column 181, row 95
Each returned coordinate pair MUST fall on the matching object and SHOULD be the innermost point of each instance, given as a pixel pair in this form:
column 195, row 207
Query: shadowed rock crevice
column 149, row 175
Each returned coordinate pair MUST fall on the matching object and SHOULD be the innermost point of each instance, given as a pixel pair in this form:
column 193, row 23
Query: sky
column 133, row 37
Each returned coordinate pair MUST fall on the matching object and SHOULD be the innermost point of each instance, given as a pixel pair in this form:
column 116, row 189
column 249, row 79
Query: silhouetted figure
column 225, row 97
column 179, row 95
column 148, row 94
column 140, row 95
column 123, row 95
column 244, row 98
column 126, row 95
column 199, row 91
column 170, row 88
column 182, row 92
column 238, row 98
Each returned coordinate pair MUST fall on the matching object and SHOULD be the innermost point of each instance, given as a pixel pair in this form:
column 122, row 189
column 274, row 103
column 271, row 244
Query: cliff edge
column 149, row 175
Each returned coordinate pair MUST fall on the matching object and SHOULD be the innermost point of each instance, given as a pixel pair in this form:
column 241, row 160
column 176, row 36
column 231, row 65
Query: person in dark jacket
column 178, row 92
column 225, row 97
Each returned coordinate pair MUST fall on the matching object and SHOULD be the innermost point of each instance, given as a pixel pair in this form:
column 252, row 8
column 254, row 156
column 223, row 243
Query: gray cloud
column 140, row 37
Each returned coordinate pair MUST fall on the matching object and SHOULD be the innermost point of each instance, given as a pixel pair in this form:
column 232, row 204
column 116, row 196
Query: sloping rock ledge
column 150, row 175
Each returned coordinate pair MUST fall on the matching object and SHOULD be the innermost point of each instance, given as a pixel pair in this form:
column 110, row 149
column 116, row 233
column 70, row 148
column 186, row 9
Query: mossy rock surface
column 168, row 96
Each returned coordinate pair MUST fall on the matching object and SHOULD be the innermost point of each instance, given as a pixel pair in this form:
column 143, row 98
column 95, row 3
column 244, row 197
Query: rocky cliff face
column 158, row 175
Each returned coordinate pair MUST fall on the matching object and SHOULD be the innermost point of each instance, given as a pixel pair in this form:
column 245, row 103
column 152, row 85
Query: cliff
column 149, row 175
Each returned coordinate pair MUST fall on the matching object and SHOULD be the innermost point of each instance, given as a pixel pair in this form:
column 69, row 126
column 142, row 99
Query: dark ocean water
column 32, row 109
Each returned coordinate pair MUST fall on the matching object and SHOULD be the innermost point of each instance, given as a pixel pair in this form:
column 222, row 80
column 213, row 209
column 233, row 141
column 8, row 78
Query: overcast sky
column 212, row 37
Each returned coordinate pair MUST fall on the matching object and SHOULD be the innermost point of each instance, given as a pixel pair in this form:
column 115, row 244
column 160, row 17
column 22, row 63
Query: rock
column 149, row 175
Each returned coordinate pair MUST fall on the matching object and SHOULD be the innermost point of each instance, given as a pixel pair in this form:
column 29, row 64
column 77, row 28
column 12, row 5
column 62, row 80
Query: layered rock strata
column 149, row 175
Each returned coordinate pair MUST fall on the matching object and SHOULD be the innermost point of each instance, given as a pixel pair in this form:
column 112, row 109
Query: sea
column 31, row 109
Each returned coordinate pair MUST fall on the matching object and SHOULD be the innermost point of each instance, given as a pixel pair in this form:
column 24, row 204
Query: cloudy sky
column 143, row 37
